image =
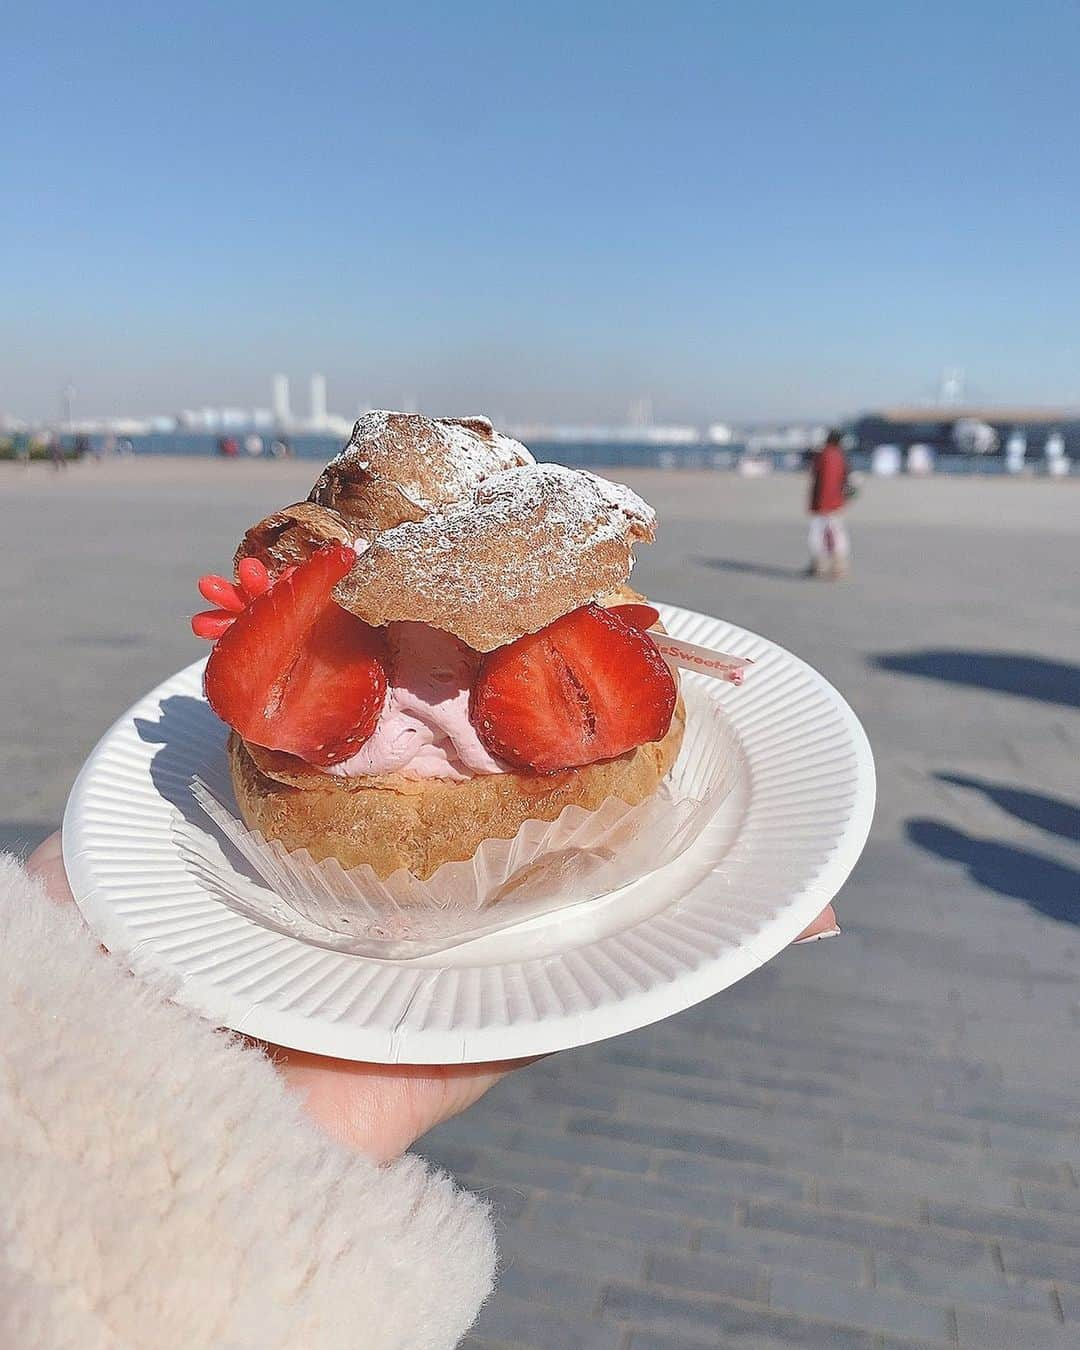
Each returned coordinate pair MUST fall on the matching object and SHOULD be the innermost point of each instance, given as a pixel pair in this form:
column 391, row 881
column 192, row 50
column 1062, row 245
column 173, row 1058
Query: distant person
column 56, row 452
column 1057, row 466
column 228, row 446
column 1015, row 452
column 920, row 460
column 830, row 551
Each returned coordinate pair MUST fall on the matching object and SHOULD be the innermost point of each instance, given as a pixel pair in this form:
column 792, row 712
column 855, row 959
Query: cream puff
column 437, row 647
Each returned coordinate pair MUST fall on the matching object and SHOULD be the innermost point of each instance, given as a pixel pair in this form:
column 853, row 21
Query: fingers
column 381, row 1109
column 47, row 863
column 824, row 925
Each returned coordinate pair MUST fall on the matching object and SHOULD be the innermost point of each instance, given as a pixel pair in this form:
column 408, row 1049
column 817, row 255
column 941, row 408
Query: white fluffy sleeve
column 159, row 1187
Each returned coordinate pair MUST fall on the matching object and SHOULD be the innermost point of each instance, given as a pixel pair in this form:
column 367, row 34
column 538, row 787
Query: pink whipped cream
column 424, row 729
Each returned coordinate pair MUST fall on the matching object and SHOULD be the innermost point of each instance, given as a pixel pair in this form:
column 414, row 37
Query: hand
column 378, row 1109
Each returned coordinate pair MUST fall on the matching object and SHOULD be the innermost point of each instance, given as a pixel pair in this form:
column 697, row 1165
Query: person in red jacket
column 830, row 550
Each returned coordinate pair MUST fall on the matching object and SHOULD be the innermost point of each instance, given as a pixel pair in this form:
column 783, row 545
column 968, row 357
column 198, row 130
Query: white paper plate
column 791, row 834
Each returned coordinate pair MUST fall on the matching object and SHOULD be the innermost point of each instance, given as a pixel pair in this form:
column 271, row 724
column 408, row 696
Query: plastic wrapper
column 548, row 865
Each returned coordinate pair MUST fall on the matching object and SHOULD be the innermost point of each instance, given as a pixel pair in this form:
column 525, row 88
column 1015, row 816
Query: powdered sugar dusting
column 571, row 511
column 587, row 506
column 432, row 460
column 530, row 544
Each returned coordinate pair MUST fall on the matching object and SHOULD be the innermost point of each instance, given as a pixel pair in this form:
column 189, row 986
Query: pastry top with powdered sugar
column 456, row 526
column 527, row 546
column 403, row 466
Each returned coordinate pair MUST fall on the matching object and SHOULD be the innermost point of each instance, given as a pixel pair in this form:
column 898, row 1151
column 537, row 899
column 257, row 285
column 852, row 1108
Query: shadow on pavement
column 1048, row 886
column 1052, row 814
column 1006, row 672
column 753, row 569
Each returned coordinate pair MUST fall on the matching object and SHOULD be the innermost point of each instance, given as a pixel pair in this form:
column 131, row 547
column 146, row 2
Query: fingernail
column 817, row 937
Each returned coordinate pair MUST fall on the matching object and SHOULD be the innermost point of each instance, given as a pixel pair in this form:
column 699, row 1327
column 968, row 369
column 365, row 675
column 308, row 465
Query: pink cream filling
column 424, row 729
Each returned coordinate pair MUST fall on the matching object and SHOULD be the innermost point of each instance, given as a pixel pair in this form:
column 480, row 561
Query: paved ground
column 873, row 1142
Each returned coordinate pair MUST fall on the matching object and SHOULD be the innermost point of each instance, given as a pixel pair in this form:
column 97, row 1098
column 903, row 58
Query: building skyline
column 947, row 397
column 318, row 400
column 945, row 421
column 281, row 406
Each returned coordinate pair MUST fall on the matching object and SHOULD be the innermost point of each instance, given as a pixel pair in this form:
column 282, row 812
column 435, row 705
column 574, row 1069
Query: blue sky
column 540, row 210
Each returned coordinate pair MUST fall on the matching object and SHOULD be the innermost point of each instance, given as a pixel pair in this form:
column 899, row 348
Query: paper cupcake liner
column 548, row 865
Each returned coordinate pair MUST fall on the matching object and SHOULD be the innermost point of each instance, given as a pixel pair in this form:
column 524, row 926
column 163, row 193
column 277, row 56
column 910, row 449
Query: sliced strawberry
column 231, row 598
column 211, row 623
column 585, row 688
column 296, row 672
column 253, row 577
column 637, row 616
column 222, row 592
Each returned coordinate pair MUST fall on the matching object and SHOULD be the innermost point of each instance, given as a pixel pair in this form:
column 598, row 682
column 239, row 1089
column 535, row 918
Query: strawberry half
column 587, row 687
column 637, row 616
column 295, row 671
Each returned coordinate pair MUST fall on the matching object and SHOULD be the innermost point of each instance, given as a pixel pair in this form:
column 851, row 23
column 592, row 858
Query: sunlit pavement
column 873, row 1141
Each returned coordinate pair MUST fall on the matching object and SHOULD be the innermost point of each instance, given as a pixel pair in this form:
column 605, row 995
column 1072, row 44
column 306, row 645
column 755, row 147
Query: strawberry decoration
column 637, row 616
column 587, row 687
column 231, row 598
column 291, row 670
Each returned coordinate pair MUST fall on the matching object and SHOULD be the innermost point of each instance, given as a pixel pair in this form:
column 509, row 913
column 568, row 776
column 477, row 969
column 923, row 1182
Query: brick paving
column 874, row 1142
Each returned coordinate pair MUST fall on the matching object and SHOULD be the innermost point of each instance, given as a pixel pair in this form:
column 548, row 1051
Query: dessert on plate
column 438, row 645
